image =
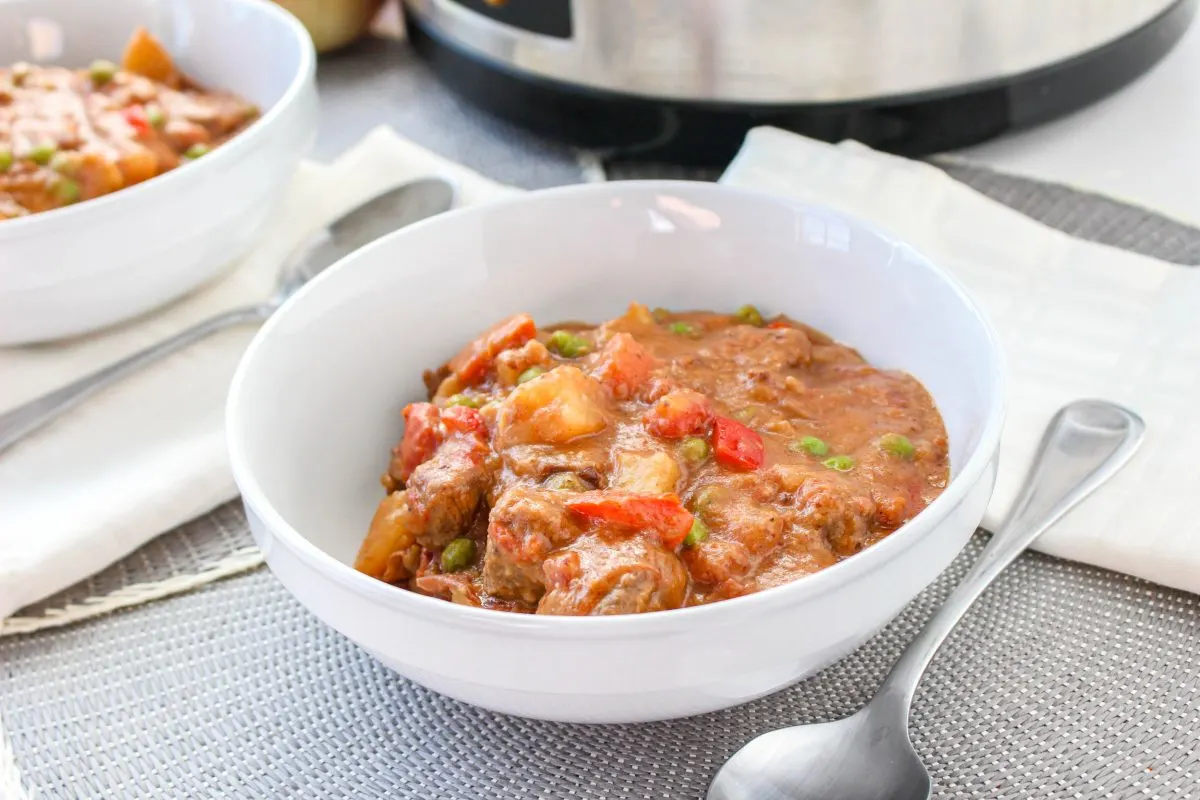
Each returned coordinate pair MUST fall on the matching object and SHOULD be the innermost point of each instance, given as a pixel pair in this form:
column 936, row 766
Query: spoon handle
column 27, row 418
column 1085, row 444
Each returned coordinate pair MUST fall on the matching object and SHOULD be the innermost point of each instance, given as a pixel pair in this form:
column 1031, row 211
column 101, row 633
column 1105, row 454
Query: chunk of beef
column 525, row 525
column 511, row 363
column 444, row 493
column 594, row 577
column 772, row 349
column 535, row 462
column 741, row 531
column 835, row 509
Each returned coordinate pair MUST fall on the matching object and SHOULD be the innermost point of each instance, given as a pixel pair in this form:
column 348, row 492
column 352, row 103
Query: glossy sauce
column 682, row 459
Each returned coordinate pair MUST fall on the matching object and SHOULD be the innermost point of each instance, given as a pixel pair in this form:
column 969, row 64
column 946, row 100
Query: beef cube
column 598, row 577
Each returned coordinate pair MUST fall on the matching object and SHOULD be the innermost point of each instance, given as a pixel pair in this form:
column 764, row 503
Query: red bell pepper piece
column 736, row 446
column 137, row 119
column 662, row 515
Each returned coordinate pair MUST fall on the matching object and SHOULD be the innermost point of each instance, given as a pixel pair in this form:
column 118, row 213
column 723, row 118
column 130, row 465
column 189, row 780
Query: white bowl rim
column 226, row 152
column 619, row 626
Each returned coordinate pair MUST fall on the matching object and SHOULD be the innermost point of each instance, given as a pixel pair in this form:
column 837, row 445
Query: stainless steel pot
column 769, row 56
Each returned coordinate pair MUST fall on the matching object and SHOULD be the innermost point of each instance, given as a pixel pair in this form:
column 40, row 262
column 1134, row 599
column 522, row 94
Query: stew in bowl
column 71, row 135
column 654, row 461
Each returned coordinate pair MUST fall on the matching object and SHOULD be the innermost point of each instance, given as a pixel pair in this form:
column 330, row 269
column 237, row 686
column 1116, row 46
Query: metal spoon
column 362, row 225
column 868, row 756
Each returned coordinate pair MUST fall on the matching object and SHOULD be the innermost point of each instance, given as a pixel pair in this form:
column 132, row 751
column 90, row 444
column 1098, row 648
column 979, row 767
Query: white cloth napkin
column 150, row 454
column 1076, row 319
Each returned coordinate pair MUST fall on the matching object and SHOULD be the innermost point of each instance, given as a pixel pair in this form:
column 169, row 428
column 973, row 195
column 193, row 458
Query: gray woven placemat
column 1065, row 681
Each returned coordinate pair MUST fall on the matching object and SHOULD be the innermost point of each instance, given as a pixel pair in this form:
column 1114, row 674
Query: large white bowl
column 315, row 407
column 86, row 266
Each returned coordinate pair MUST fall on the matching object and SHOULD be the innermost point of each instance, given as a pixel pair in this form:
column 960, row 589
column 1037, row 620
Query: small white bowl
column 315, row 407
column 83, row 267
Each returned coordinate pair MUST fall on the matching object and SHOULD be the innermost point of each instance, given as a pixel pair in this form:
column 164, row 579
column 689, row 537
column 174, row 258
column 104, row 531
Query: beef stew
column 72, row 135
column 655, row 461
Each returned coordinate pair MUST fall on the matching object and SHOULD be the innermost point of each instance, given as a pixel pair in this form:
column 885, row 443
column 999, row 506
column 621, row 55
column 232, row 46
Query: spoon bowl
column 856, row 758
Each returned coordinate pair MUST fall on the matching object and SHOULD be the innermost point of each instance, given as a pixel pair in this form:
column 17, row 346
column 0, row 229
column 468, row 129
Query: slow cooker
column 682, row 80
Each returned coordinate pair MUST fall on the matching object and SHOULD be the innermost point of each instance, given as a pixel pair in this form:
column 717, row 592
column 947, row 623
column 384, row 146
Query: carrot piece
column 736, row 446
column 472, row 362
column 678, row 413
column 145, row 56
column 662, row 515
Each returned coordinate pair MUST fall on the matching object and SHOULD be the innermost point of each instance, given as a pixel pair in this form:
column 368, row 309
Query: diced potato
column 646, row 473
column 145, row 56
column 391, row 533
column 556, row 407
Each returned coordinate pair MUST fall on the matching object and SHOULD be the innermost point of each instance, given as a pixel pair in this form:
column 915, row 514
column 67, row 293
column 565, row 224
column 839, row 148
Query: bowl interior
column 248, row 47
column 316, row 405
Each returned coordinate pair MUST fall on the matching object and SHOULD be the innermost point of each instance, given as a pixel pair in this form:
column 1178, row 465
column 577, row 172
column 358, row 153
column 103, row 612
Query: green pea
column 565, row 482
column 458, row 555
column 6, row 160
column 530, row 374
column 196, row 151
column 66, row 191
column 463, row 400
column 809, row 444
column 897, row 445
column 749, row 315
column 840, row 463
column 568, row 344
column 682, row 328
column 155, row 116
column 102, row 71
column 43, row 153
column 697, row 534
column 694, row 449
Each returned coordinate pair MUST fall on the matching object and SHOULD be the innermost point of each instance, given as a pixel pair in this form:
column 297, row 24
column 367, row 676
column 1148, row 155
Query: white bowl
column 315, row 407
column 82, row 267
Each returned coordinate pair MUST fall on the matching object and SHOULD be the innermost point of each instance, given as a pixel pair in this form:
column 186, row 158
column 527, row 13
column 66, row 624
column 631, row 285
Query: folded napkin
column 1076, row 320
column 149, row 454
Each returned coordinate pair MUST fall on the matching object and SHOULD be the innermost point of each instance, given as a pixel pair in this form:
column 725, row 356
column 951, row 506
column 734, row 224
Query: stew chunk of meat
column 595, row 576
column 655, row 461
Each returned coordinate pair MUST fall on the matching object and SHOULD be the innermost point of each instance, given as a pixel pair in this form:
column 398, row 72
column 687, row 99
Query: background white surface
column 1140, row 145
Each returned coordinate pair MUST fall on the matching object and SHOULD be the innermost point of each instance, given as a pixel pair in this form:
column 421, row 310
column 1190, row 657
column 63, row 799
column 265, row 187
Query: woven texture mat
column 1064, row 680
